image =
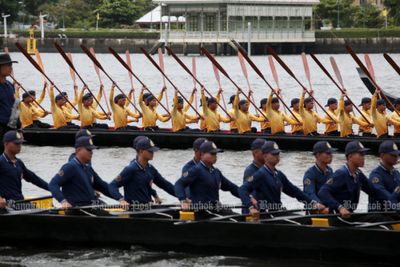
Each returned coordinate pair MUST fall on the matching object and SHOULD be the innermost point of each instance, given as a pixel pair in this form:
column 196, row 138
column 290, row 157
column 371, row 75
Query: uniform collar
column 210, row 169
column 348, row 170
column 8, row 159
column 386, row 170
column 80, row 163
column 140, row 166
column 319, row 169
column 270, row 171
column 255, row 165
column 195, row 162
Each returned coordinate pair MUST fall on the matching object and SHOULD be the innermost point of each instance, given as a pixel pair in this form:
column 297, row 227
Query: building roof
column 154, row 16
column 285, row 2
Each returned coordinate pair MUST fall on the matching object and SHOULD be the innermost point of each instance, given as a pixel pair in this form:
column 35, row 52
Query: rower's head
column 309, row 103
column 146, row 148
column 144, row 98
column 389, row 153
column 365, row 103
column 348, row 107
column 60, row 100
column 355, row 153
column 209, row 152
column 275, row 103
column 65, row 94
column 83, row 132
column 120, row 100
column 212, row 103
column 6, row 65
column 396, row 103
column 29, row 97
column 87, row 99
column 332, row 103
column 243, row 105
column 180, row 103
column 295, row 104
column 381, row 105
column 322, row 151
column 196, row 147
column 84, row 149
column 231, row 99
column 271, row 153
column 256, row 150
column 12, row 141
column 263, row 104
column 151, row 101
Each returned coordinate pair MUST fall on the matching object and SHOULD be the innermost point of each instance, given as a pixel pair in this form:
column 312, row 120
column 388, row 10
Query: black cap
column 322, row 147
column 28, row 94
column 380, row 102
column 308, row 100
column 365, row 100
column 294, row 102
column 389, row 147
column 137, row 139
column 331, row 101
column 263, row 102
column 211, row 100
column 149, row 98
column 146, row 144
column 118, row 97
column 86, row 142
column 198, row 142
column 6, row 59
column 355, row 147
column 180, row 99
column 87, row 96
column 274, row 100
column 231, row 99
column 14, row 137
column 145, row 96
column 242, row 102
column 209, row 147
column 258, row 143
column 59, row 97
column 270, row 147
column 83, row 132
column 347, row 103
column 396, row 101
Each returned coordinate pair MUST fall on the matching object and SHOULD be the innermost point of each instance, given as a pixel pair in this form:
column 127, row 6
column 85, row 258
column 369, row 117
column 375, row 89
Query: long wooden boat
column 297, row 237
column 183, row 140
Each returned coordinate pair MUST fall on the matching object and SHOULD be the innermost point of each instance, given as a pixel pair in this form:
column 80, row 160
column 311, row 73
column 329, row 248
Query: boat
column 290, row 235
column 183, row 140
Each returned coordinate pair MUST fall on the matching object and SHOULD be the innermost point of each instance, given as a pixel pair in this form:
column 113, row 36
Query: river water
column 108, row 162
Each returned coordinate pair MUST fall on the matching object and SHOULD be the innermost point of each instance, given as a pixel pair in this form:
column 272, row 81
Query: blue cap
column 274, row 100
column 270, row 147
column 145, row 96
column 209, row 147
column 198, row 142
column 59, row 97
column 263, row 102
column 180, row 99
column 211, row 100
column 150, row 98
column 87, row 96
column 86, row 142
column 137, row 139
column 118, row 97
column 355, row 147
column 28, row 94
column 322, row 147
column 14, row 137
column 380, row 102
column 365, row 100
column 146, row 144
column 294, row 102
column 83, row 132
column 231, row 99
column 347, row 103
column 331, row 101
column 258, row 144
column 242, row 102
column 389, row 147
column 308, row 100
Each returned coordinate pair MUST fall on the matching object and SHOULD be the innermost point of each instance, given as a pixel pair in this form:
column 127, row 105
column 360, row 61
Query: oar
column 168, row 79
column 259, row 73
column 246, row 75
column 129, row 63
column 275, row 76
column 283, row 64
column 161, row 64
column 118, row 57
column 73, row 69
column 307, row 72
column 40, row 62
column 392, row 63
column 369, row 66
column 365, row 70
column 36, row 65
column 222, row 70
column 218, row 78
column 195, row 78
column 339, row 77
column 97, row 63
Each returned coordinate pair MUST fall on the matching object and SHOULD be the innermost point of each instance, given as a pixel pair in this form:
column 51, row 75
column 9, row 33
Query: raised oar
column 39, row 61
column 392, row 63
column 128, row 61
column 274, row 75
column 161, row 61
column 339, row 77
column 369, row 66
column 255, row 68
column 365, row 70
column 36, row 65
column 218, row 78
column 195, row 78
column 246, row 75
column 71, row 71
column 72, row 68
column 283, row 64
column 307, row 72
column 118, row 57
column 97, row 63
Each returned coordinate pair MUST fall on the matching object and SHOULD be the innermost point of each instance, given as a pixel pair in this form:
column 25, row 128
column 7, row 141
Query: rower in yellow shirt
column 332, row 129
column 211, row 116
column 366, row 111
column 347, row 119
column 231, row 112
column 68, row 107
column 30, row 113
column 179, row 113
column 88, row 113
column 297, row 129
column 243, row 117
column 61, row 116
column 203, row 125
column 265, row 126
column 395, row 116
column 149, row 110
column 121, row 112
column 379, row 116
column 276, row 117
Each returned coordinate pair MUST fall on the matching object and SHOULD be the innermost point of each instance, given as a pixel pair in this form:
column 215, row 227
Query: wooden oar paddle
column 161, row 64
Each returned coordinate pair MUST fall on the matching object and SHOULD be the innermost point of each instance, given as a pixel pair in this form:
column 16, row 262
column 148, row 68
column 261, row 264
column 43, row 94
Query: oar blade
column 71, row 71
column 128, row 61
column 337, row 71
column 273, row 70
column 161, row 61
column 369, row 66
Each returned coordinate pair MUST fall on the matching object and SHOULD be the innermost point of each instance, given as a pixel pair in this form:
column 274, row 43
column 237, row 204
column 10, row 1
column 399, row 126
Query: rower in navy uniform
column 386, row 178
column 341, row 193
column 13, row 170
column 204, row 182
column 76, row 182
column 268, row 183
column 137, row 178
column 81, row 133
column 317, row 175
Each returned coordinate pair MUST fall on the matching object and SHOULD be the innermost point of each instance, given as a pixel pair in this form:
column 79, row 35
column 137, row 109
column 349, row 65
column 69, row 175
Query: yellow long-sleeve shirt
column 28, row 112
column 296, row 127
column 180, row 117
column 88, row 115
column 243, row 119
column 265, row 124
column 37, row 112
column 60, row 116
column 310, row 118
column 150, row 115
column 120, row 114
column 396, row 117
column 277, row 118
column 232, row 124
column 367, row 114
column 68, row 107
column 347, row 120
column 381, row 120
column 330, row 127
column 212, row 118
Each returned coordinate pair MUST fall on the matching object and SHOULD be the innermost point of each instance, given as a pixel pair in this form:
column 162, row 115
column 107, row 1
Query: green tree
column 369, row 16
column 10, row 7
column 394, row 10
column 328, row 9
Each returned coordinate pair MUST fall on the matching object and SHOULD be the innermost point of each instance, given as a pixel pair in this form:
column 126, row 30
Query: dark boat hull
column 183, row 140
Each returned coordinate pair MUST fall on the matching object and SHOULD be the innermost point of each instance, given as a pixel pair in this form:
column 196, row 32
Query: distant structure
column 377, row 3
column 222, row 24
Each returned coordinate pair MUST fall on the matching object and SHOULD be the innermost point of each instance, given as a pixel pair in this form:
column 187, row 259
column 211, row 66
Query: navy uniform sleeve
column 153, row 192
column 377, row 190
column 332, row 185
column 309, row 185
column 186, row 179
column 293, row 191
column 248, row 187
column 123, row 178
column 162, row 183
column 31, row 177
column 247, row 173
column 66, row 173
column 100, row 185
column 227, row 185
